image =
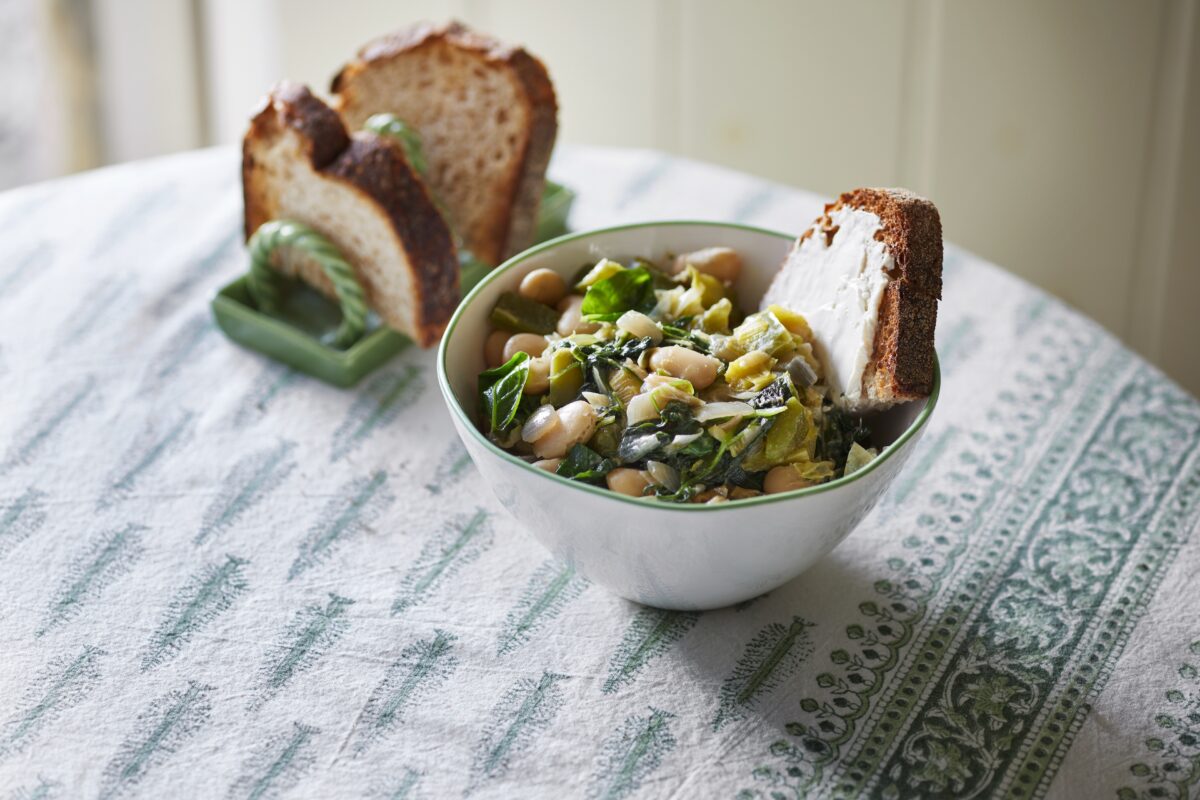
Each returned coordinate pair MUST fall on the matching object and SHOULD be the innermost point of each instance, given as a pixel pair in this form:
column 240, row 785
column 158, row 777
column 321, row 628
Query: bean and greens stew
column 647, row 379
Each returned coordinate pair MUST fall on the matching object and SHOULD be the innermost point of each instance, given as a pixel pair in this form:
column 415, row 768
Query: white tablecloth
column 219, row 578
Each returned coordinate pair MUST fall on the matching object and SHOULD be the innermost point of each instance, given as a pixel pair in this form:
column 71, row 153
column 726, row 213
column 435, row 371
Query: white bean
column 784, row 479
column 632, row 482
column 541, row 422
column 493, row 348
column 548, row 464
column 638, row 324
column 544, row 286
column 696, row 368
column 529, row 343
column 539, row 376
column 571, row 319
column 578, row 423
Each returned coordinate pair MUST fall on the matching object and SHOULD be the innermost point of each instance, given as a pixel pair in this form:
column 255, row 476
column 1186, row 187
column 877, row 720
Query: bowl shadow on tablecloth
column 762, row 657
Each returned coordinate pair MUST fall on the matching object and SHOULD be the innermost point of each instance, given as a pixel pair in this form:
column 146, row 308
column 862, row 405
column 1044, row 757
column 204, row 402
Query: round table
column 219, row 577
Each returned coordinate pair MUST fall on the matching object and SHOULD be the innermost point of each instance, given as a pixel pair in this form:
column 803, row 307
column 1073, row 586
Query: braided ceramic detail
column 264, row 282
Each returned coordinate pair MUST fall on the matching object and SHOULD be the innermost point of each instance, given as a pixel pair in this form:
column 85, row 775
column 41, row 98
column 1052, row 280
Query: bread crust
column 902, row 353
column 512, row 225
column 376, row 170
column 902, row 362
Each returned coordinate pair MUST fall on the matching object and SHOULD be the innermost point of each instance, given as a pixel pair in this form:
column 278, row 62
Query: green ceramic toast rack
column 337, row 342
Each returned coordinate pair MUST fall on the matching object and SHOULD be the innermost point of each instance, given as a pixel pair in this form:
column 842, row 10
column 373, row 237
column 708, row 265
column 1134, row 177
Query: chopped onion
column 731, row 408
column 640, row 409
column 635, row 448
column 668, row 392
column 540, row 423
column 597, row 399
column 801, row 372
column 681, row 441
column 664, row 475
column 638, row 324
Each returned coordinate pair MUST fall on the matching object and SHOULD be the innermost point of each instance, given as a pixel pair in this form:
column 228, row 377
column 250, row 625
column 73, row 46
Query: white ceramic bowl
column 662, row 554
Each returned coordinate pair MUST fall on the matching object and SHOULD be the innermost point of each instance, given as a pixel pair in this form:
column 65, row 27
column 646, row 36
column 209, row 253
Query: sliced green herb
column 501, row 390
column 777, row 393
column 585, row 464
column 628, row 290
column 522, row 315
column 838, row 432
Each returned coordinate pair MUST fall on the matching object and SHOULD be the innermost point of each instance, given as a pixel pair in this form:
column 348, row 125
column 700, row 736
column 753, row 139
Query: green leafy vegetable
column 501, row 390
column 585, row 464
column 777, row 393
column 513, row 312
column 762, row 331
column 609, row 298
column 838, row 432
column 566, row 377
column 645, row 439
column 858, row 457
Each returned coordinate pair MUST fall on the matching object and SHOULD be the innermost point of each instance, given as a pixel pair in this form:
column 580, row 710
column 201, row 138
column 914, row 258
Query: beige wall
column 1060, row 138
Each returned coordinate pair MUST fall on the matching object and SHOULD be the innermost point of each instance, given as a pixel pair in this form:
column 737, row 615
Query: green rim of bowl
column 692, row 508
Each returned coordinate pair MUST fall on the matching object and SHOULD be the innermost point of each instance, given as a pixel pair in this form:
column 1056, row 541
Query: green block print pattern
column 42, row 789
column 247, row 485
column 21, row 518
column 101, row 304
column 552, row 586
column 124, row 226
column 181, row 351
column 522, row 715
column 277, row 766
column 379, row 404
column 421, row 669
column 206, row 595
column 142, row 457
column 454, row 464
column 260, row 399
column 650, row 634
column 108, row 557
column 403, row 789
column 225, row 255
column 770, row 658
column 350, row 510
column 46, row 422
column 161, row 731
column 219, row 578
column 65, row 683
column 973, row 668
column 456, row 545
column 312, row 632
column 1172, row 766
column 631, row 755
column 20, row 268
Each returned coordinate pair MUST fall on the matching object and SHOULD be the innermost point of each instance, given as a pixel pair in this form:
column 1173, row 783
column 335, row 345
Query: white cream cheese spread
column 837, row 283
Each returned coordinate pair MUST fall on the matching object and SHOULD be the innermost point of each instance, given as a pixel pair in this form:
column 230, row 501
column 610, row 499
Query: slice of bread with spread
column 299, row 163
column 487, row 116
column 867, row 275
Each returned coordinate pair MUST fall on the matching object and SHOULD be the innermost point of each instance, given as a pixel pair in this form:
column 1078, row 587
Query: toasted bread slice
column 867, row 275
column 299, row 163
column 487, row 116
